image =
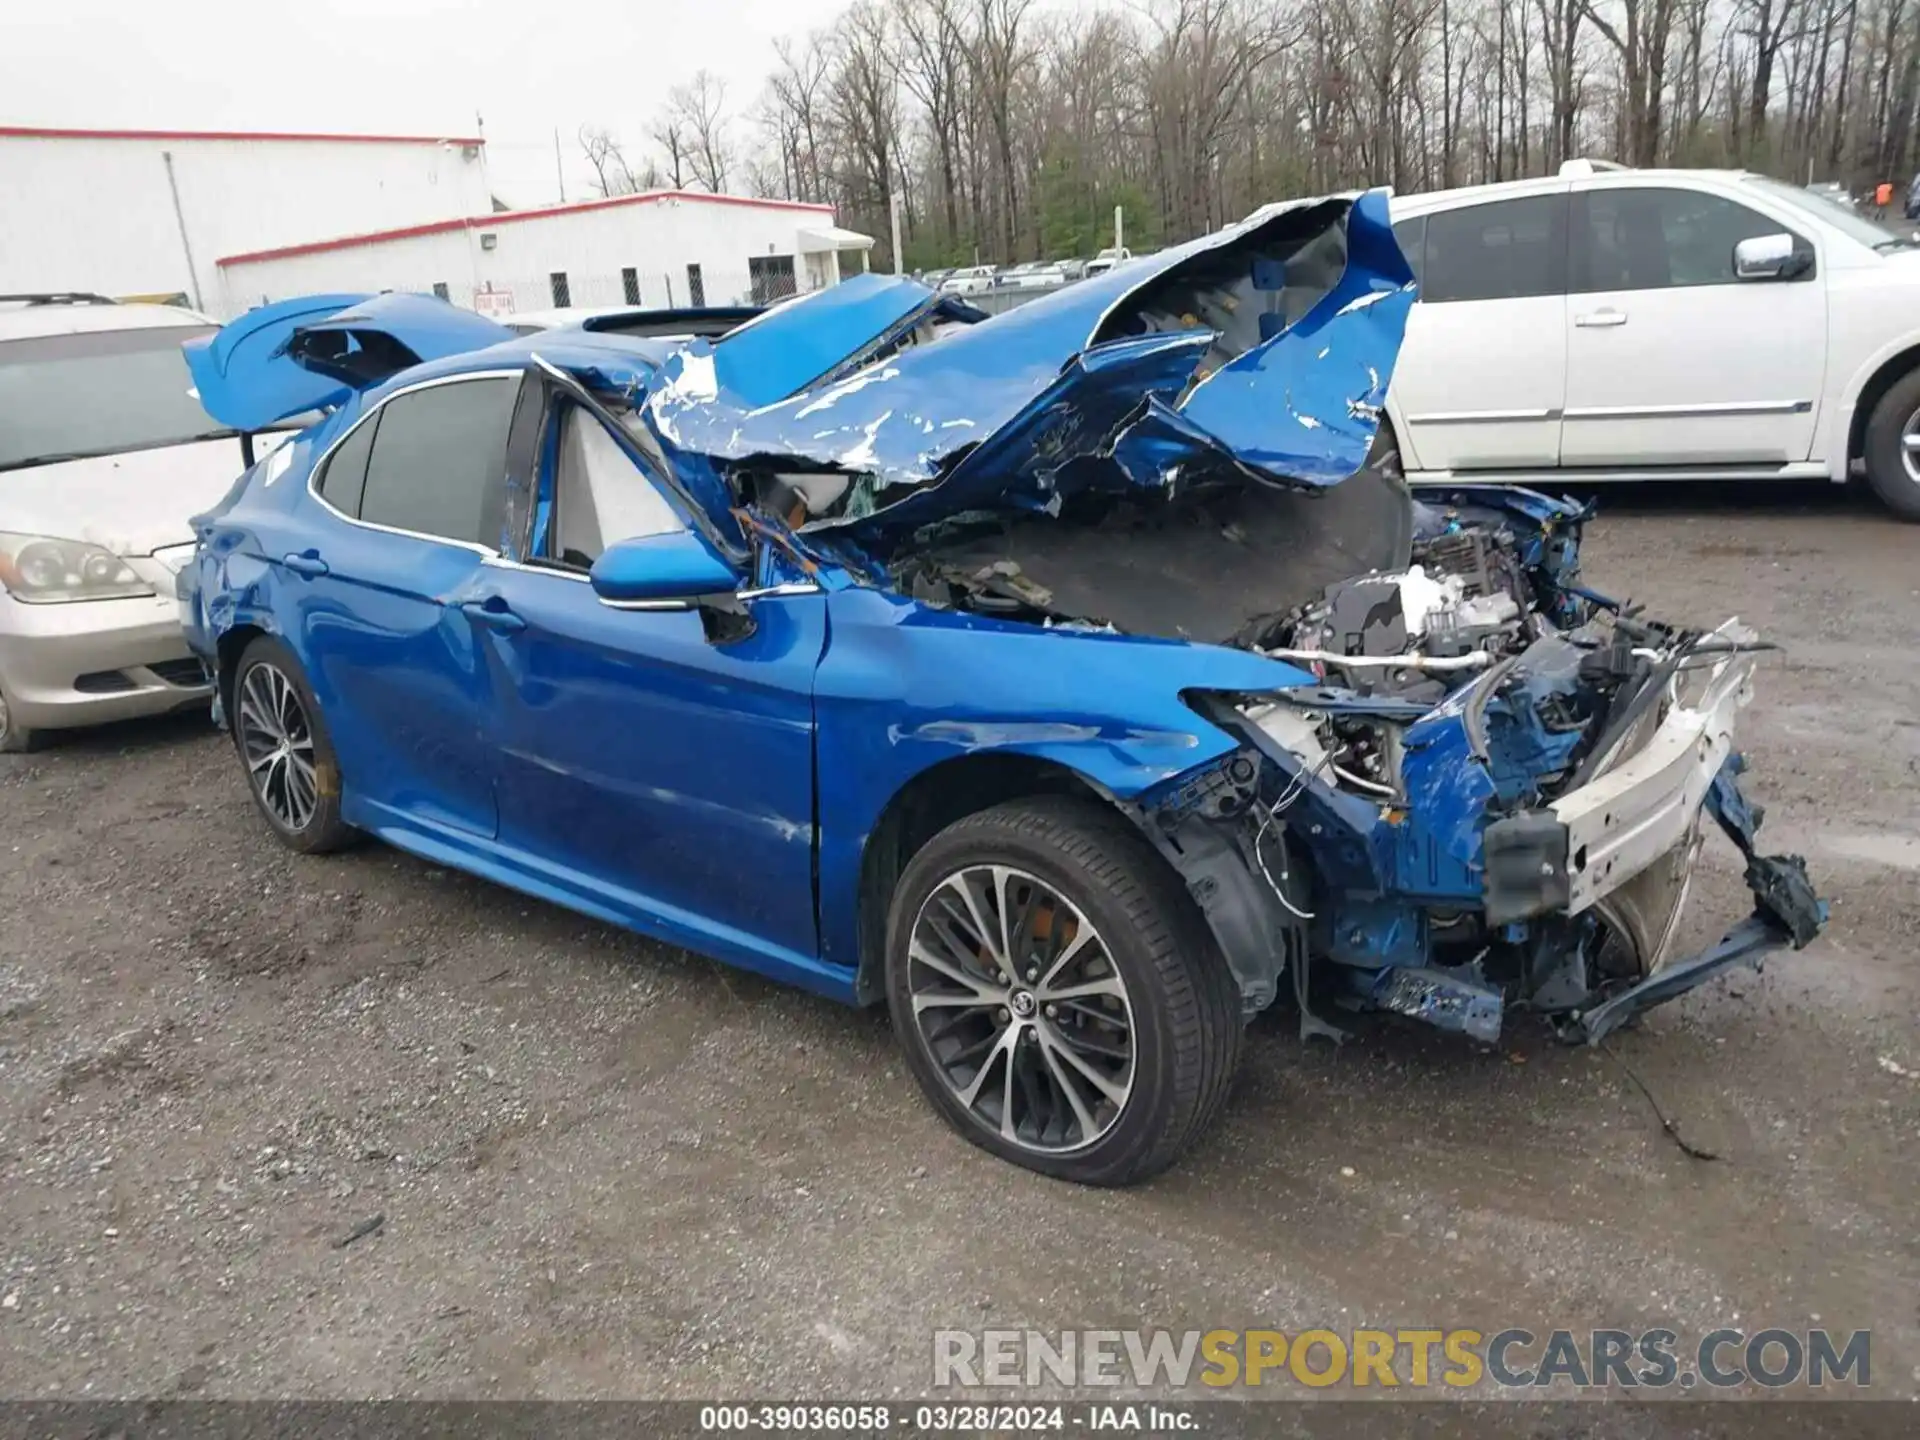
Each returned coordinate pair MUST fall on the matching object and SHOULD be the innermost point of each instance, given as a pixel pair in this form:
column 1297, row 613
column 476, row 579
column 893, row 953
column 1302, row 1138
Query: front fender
column 905, row 687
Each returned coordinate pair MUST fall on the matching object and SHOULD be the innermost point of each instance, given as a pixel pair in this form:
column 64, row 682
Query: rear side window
column 1503, row 250
column 1412, row 235
column 344, row 479
column 439, row 461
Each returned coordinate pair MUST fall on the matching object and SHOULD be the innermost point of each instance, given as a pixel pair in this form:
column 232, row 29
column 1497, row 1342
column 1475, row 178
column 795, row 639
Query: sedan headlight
column 42, row 570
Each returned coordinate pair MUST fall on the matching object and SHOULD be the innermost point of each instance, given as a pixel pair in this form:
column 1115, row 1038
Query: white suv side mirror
column 1766, row 257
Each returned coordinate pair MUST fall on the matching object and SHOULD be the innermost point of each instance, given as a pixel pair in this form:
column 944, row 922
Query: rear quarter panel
column 229, row 582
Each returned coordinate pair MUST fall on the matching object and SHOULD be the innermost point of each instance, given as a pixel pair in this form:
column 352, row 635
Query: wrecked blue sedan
column 1066, row 680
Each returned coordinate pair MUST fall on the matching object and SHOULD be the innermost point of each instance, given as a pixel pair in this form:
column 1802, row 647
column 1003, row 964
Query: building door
column 696, row 287
column 772, row 277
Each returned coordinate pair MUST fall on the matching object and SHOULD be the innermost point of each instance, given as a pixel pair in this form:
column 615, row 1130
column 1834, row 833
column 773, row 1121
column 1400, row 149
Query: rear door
column 1481, row 377
column 413, row 500
column 1671, row 360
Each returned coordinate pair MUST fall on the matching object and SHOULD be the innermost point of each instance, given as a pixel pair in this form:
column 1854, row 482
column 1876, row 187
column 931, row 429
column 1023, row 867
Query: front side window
column 600, row 496
column 102, row 392
column 1502, row 250
column 438, row 462
column 1651, row 238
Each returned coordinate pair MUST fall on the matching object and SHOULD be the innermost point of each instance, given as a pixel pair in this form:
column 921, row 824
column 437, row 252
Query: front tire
column 15, row 738
column 1057, row 995
column 291, row 769
column 1893, row 447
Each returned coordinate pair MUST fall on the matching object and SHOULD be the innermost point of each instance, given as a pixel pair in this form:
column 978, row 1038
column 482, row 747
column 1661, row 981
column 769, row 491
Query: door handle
column 494, row 614
column 1600, row 319
column 307, row 562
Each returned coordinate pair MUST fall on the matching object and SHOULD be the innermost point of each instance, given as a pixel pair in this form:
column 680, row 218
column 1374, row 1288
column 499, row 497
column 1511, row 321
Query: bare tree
column 699, row 113
column 1010, row 129
column 670, row 134
column 612, row 175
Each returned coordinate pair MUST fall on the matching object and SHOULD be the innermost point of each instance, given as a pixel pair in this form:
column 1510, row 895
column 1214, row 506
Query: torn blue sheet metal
column 1300, row 405
column 311, row 353
column 797, row 345
column 1306, row 405
column 240, row 372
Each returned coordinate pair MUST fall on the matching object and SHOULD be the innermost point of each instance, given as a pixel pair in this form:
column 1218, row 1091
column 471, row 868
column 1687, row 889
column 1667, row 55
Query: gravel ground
column 605, row 1169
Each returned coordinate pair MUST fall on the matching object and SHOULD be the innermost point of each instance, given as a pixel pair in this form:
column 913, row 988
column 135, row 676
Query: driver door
column 1673, row 360
column 659, row 759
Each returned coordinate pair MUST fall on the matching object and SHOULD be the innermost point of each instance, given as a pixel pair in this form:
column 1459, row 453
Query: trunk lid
column 312, row 352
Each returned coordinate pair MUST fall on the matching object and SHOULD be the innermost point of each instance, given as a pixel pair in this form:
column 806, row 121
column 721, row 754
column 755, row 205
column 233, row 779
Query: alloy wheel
column 1018, row 1001
column 1910, row 447
column 276, row 741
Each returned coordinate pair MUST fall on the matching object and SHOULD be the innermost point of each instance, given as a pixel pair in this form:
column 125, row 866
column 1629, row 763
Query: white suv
column 104, row 454
column 1610, row 324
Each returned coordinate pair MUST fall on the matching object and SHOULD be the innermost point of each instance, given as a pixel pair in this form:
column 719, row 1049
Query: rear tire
column 1892, row 469
column 1113, row 1047
column 292, row 772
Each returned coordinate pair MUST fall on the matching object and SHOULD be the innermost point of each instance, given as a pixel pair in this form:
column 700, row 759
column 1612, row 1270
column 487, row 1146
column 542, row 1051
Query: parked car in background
column 1073, row 268
column 1125, row 723
column 104, row 455
column 1107, row 259
column 969, row 280
column 1034, row 275
column 1834, row 191
column 933, row 279
column 1657, row 324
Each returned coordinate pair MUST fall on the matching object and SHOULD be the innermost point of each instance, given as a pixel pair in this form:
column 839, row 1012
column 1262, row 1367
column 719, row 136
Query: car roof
column 1421, row 202
column 32, row 321
column 565, row 315
column 619, row 358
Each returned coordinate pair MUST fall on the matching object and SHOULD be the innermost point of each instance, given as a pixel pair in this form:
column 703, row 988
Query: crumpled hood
column 1265, row 349
column 131, row 504
column 770, row 358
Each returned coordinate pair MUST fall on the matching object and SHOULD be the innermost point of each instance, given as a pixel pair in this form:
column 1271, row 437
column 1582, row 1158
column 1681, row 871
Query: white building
column 659, row 248
column 149, row 212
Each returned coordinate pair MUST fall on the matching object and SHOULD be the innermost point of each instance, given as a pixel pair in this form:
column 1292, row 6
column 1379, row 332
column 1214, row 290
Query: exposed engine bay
column 1492, row 795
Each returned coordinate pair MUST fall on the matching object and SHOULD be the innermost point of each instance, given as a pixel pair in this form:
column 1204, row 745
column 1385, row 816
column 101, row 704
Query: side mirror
column 1766, row 257
column 678, row 565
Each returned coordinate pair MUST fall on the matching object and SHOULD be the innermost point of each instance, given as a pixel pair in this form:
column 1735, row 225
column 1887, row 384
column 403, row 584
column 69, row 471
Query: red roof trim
column 39, row 132
column 508, row 217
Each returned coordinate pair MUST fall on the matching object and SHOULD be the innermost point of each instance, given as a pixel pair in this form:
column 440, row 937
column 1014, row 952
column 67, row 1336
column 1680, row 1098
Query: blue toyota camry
column 1077, row 681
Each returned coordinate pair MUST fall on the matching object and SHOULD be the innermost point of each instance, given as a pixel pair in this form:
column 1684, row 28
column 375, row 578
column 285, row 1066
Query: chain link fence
column 691, row 286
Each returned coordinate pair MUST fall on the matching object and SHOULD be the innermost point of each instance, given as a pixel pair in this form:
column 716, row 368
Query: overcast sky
column 389, row 66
